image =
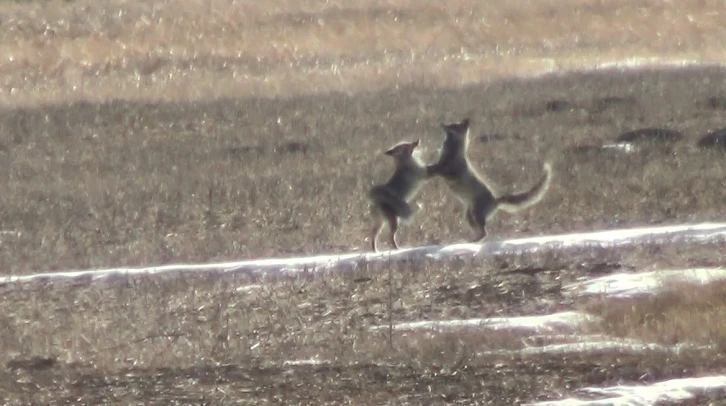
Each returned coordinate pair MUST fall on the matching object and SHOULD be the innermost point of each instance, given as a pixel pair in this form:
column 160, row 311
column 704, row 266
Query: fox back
column 454, row 167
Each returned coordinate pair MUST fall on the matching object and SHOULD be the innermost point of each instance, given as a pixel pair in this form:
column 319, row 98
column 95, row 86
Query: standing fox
column 390, row 201
column 468, row 186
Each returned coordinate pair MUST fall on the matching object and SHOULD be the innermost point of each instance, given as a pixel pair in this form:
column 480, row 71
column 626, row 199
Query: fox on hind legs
column 470, row 188
column 390, row 202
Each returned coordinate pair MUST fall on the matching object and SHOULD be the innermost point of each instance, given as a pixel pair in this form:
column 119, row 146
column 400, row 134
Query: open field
column 127, row 184
column 55, row 52
column 244, row 340
column 146, row 133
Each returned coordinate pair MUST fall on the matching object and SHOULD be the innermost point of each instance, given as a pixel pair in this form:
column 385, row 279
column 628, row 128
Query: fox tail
column 514, row 202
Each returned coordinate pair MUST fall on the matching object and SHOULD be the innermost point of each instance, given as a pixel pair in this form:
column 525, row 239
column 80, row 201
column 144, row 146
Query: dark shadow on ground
column 714, row 140
column 650, row 135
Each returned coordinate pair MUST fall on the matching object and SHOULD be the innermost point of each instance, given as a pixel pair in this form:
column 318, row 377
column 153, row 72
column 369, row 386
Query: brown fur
column 390, row 201
column 471, row 189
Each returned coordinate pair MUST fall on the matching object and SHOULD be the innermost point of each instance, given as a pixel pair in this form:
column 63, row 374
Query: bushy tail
column 515, row 202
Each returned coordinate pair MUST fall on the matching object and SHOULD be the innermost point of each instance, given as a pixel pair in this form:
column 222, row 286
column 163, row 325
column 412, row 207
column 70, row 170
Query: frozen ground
column 619, row 237
column 524, row 325
column 127, row 51
column 626, row 285
column 560, row 334
column 676, row 390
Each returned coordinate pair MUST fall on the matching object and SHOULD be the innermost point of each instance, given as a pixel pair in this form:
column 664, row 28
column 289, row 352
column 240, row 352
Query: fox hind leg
column 384, row 214
column 481, row 235
column 470, row 218
column 389, row 214
column 393, row 224
column 378, row 213
column 376, row 230
column 478, row 221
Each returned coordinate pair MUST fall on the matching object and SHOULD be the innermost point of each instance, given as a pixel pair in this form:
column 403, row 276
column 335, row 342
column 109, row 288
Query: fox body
column 390, row 202
column 480, row 202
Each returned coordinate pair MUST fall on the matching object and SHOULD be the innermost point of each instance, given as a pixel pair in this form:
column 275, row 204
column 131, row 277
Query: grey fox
column 390, row 201
column 470, row 188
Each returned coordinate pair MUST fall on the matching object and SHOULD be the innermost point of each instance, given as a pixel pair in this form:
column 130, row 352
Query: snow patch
column 675, row 390
column 645, row 62
column 305, row 362
column 557, row 322
column 611, row 345
column 627, row 285
column 625, row 147
column 689, row 232
column 248, row 288
column 551, row 66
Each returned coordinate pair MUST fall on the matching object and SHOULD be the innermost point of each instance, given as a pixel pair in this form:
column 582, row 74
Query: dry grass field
column 139, row 133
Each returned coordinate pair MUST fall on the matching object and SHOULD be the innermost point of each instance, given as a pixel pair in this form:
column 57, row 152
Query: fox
column 470, row 188
column 391, row 201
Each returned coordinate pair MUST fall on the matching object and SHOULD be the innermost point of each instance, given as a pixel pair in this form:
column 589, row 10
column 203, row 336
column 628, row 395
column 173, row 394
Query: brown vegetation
column 120, row 183
column 57, row 52
column 139, row 133
column 212, row 338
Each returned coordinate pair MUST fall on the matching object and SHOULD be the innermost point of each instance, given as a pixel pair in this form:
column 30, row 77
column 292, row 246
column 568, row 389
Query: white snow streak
column 626, row 285
column 642, row 395
column 608, row 345
column 557, row 322
column 692, row 232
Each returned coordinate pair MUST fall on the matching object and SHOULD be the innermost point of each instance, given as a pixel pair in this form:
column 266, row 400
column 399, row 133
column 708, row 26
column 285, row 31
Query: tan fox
column 391, row 201
column 469, row 187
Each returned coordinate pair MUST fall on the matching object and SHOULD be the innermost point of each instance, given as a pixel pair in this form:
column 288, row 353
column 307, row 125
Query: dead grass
column 138, row 133
column 147, row 339
column 175, row 321
column 55, row 52
column 125, row 184
column 685, row 313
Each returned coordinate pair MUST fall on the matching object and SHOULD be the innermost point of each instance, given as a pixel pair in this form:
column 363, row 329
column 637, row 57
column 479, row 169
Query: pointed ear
column 415, row 143
column 448, row 129
column 391, row 152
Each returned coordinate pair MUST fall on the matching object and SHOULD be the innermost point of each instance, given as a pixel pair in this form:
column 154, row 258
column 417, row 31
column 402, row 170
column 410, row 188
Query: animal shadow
column 714, row 140
column 294, row 147
column 650, row 136
column 558, row 105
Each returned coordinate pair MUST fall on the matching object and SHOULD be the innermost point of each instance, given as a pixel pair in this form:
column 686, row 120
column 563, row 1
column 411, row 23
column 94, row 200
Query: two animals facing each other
column 391, row 201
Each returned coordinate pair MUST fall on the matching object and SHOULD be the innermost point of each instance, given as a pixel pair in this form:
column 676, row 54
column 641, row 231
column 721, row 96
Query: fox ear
column 391, row 152
column 448, row 128
column 415, row 143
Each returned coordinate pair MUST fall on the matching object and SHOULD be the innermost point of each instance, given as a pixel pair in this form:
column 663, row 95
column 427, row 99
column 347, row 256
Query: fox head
column 457, row 136
column 402, row 150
